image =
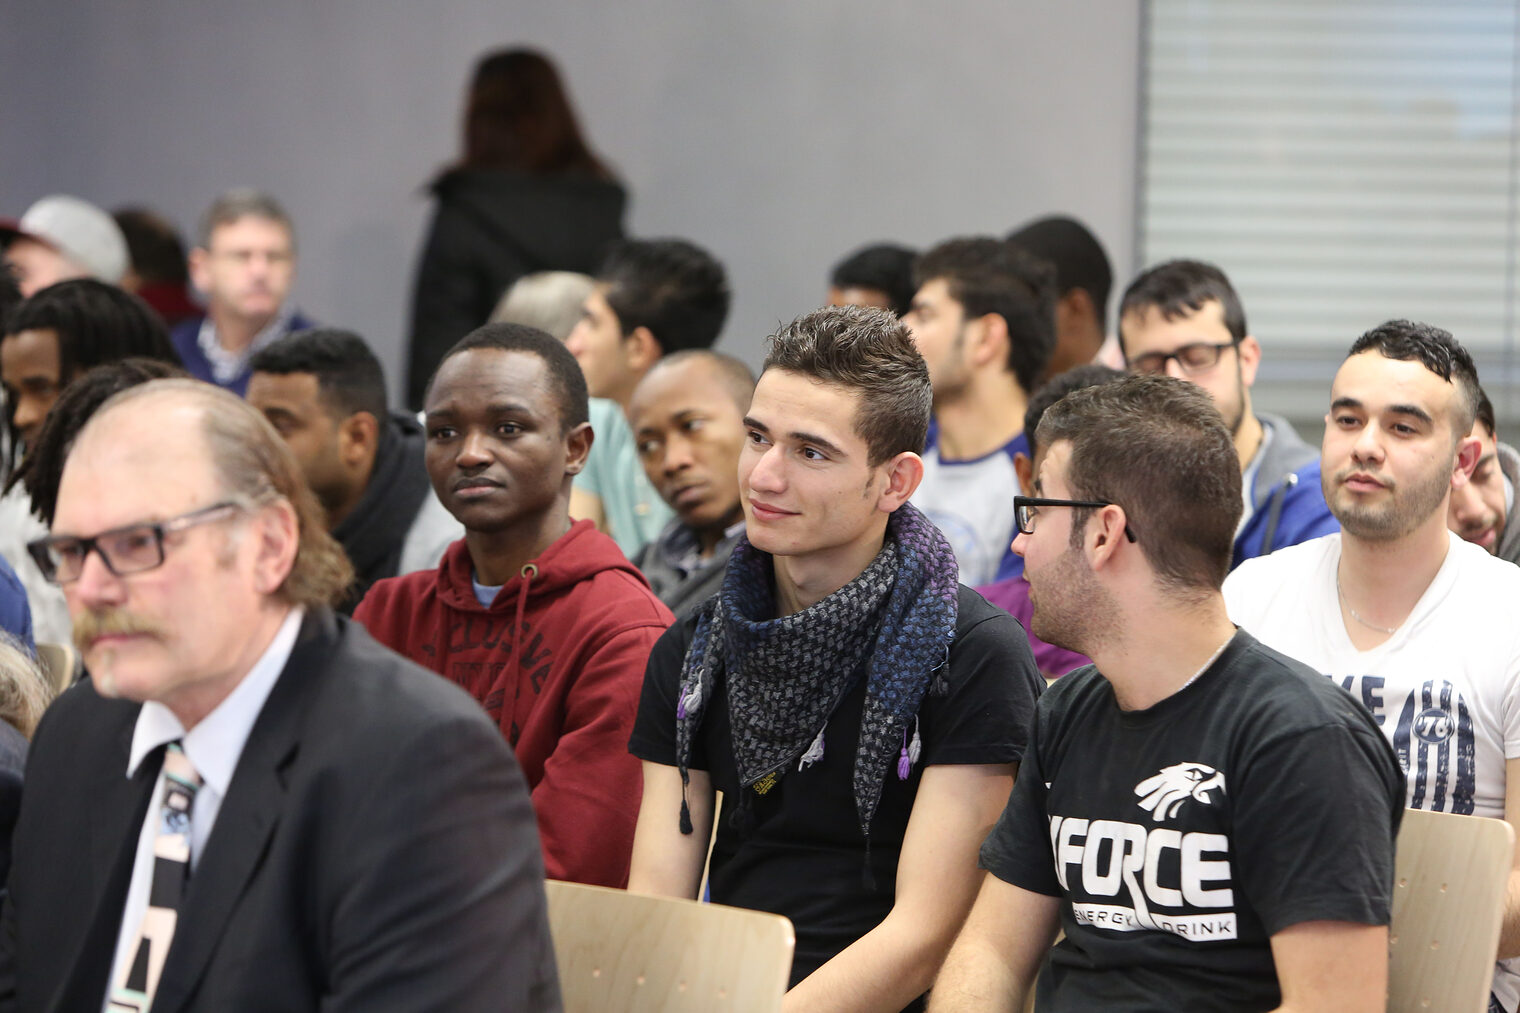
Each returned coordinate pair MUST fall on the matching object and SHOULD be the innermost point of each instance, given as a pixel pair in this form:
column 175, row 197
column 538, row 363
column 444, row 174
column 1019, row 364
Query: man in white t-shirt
column 1410, row 619
column 984, row 320
column 651, row 298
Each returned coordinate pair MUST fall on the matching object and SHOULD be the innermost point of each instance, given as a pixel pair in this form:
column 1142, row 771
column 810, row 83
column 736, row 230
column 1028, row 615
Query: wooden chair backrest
column 1450, row 877
column 60, row 661
column 631, row 953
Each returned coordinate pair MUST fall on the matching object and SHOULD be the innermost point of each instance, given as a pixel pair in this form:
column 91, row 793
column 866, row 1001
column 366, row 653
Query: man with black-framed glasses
column 1171, row 814
column 1184, row 319
column 246, row 785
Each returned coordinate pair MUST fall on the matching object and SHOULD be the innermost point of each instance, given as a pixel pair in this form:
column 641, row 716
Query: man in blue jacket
column 1183, row 319
column 244, row 264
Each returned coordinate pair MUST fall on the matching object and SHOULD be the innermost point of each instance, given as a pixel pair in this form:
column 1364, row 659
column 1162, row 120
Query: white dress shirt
column 213, row 747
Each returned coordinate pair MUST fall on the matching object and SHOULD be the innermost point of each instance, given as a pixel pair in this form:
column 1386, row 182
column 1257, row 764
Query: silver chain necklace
column 1212, row 658
column 1354, row 615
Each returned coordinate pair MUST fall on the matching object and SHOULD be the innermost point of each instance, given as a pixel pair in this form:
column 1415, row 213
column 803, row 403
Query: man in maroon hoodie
column 543, row 621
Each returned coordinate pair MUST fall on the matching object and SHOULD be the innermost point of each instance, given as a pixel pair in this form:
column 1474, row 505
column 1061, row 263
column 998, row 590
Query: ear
column 641, row 349
column 1023, row 467
column 578, row 448
column 903, row 474
column 1469, row 450
column 358, row 439
column 989, row 340
column 1073, row 307
column 279, row 537
column 1249, row 351
column 200, row 273
column 1105, row 534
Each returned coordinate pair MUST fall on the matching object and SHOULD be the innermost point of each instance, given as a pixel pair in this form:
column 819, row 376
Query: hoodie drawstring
column 529, row 571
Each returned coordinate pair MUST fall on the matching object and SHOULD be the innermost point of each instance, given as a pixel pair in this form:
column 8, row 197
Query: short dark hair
column 868, row 352
column 1179, row 288
column 987, row 275
column 349, row 376
column 1157, row 447
column 675, row 288
column 95, row 323
column 1058, row 387
column 153, row 246
column 884, row 267
column 564, row 372
column 241, row 203
column 1486, row 414
column 1437, row 351
column 1075, row 253
column 42, row 467
column 736, row 377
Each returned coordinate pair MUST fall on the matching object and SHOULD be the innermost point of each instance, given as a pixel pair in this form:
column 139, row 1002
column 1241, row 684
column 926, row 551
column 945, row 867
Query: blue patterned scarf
column 786, row 675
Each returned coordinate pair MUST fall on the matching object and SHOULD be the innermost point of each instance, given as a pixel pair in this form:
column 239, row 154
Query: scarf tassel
column 910, row 752
column 814, row 753
column 939, row 684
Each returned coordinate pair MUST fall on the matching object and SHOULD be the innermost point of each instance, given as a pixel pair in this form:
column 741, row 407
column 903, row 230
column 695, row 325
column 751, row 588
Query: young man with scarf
column 861, row 712
column 324, row 392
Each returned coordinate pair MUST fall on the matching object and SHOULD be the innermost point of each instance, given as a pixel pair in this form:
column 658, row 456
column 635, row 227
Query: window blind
column 1345, row 163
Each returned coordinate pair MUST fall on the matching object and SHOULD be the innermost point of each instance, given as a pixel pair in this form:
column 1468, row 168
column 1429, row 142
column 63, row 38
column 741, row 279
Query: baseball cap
column 77, row 229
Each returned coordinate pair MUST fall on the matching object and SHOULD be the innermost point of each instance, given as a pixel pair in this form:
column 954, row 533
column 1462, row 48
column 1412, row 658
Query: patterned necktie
column 137, row 979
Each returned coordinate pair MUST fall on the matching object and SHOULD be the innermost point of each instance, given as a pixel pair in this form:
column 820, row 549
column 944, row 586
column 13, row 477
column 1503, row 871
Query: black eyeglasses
column 1024, row 511
column 1195, row 358
column 130, row 549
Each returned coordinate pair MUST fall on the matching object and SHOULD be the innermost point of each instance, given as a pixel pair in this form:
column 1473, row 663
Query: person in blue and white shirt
column 1408, row 618
column 984, row 320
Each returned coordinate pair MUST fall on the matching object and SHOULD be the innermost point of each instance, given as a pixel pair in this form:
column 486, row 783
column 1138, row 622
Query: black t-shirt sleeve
column 1018, row 849
column 1314, row 822
column 993, row 687
column 654, row 728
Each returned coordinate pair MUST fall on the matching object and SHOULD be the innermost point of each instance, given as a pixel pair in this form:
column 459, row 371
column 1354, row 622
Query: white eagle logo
column 1163, row 794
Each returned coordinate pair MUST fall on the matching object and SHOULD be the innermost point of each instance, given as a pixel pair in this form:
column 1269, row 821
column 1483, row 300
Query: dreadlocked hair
column 95, row 323
column 42, row 468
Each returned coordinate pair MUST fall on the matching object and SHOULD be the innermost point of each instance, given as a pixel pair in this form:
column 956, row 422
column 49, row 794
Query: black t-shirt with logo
column 1181, row 837
column 797, row 850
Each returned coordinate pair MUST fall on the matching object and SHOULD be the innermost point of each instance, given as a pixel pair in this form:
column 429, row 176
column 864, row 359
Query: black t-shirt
column 1181, row 837
column 798, row 850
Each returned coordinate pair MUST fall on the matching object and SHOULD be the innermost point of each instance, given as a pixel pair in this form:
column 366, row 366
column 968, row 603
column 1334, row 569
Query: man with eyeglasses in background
column 1183, row 319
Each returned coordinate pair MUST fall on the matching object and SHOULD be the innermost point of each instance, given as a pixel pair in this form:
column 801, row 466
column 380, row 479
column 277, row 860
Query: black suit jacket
column 376, row 850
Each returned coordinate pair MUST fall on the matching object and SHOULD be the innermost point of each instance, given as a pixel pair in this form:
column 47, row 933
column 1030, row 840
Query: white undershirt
column 213, row 747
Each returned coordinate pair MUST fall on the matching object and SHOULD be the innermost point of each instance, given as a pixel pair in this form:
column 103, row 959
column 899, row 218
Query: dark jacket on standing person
column 491, row 227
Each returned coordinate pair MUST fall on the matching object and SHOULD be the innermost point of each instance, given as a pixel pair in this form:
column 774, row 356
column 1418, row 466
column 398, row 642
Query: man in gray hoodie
column 1480, row 505
column 1184, row 319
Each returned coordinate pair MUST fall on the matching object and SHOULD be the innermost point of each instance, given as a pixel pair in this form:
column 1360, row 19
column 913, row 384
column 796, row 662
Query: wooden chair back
column 1450, row 877
column 61, row 662
column 622, row 952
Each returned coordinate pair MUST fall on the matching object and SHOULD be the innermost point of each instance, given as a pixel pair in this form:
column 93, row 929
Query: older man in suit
column 251, row 805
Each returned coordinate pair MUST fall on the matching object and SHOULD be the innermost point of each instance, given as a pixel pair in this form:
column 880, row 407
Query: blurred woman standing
column 528, row 195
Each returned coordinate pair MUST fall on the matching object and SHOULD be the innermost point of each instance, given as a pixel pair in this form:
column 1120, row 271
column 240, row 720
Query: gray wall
column 780, row 135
